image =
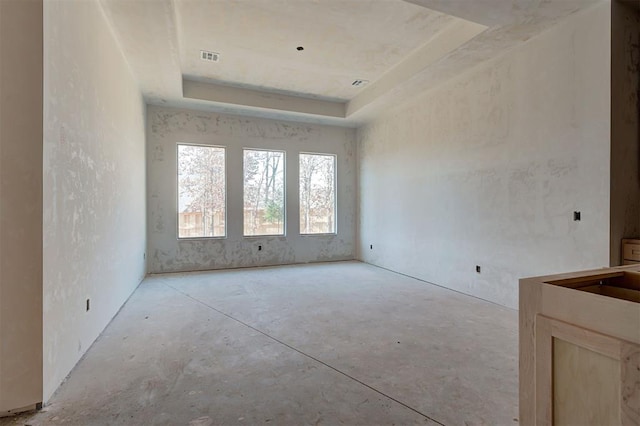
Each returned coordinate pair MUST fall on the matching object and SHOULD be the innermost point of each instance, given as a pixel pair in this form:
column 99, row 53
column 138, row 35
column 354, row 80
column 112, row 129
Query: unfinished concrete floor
column 337, row 343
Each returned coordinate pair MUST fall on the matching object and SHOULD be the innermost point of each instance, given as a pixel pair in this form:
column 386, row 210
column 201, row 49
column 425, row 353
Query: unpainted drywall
column 20, row 204
column 625, row 125
column 168, row 127
column 94, row 183
column 488, row 168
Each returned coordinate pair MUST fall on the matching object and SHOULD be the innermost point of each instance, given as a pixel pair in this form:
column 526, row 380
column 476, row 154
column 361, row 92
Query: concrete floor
column 337, row 343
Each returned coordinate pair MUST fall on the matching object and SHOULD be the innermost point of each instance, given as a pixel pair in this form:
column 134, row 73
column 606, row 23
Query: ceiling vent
column 359, row 83
column 209, row 56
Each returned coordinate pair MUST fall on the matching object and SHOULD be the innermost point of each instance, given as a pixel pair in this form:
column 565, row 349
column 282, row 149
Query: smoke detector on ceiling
column 359, row 83
column 205, row 55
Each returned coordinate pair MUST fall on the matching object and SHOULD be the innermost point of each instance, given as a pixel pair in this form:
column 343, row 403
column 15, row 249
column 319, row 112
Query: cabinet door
column 584, row 377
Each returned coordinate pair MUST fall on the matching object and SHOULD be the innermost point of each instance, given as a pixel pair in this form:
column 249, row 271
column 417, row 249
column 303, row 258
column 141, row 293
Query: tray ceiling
column 399, row 46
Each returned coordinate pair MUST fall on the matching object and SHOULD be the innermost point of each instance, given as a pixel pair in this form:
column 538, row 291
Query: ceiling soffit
column 265, row 76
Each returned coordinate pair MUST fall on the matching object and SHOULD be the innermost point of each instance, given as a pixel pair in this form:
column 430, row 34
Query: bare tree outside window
column 201, row 191
column 263, row 192
column 317, row 194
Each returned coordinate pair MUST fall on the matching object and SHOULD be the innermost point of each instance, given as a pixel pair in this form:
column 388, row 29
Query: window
column 317, row 194
column 201, row 191
column 263, row 192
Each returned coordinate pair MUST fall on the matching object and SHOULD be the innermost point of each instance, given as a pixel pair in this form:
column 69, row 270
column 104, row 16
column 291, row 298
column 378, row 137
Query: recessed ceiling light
column 359, row 83
column 299, row 48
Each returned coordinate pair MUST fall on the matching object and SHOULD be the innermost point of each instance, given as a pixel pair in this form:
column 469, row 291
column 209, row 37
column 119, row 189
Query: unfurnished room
column 322, row 212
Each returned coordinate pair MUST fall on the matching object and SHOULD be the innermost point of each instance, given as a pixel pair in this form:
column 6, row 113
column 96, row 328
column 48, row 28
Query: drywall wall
column 488, row 168
column 94, row 182
column 168, row 127
column 625, row 125
column 20, row 204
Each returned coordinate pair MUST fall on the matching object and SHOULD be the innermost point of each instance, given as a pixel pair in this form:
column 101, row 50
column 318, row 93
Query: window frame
column 226, row 184
column 335, row 195
column 284, row 192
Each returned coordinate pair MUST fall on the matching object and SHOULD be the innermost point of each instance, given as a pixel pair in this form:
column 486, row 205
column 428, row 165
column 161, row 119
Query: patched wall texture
column 167, row 127
column 488, row 168
column 94, row 183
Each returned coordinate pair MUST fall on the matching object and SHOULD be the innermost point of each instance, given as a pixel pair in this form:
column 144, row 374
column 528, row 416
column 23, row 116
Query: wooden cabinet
column 630, row 252
column 580, row 348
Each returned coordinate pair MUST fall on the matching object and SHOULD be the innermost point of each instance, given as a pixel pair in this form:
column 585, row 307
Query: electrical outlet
column 478, row 269
column 576, row 216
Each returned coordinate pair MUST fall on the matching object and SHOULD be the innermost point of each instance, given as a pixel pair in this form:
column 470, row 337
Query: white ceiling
column 343, row 41
column 399, row 46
